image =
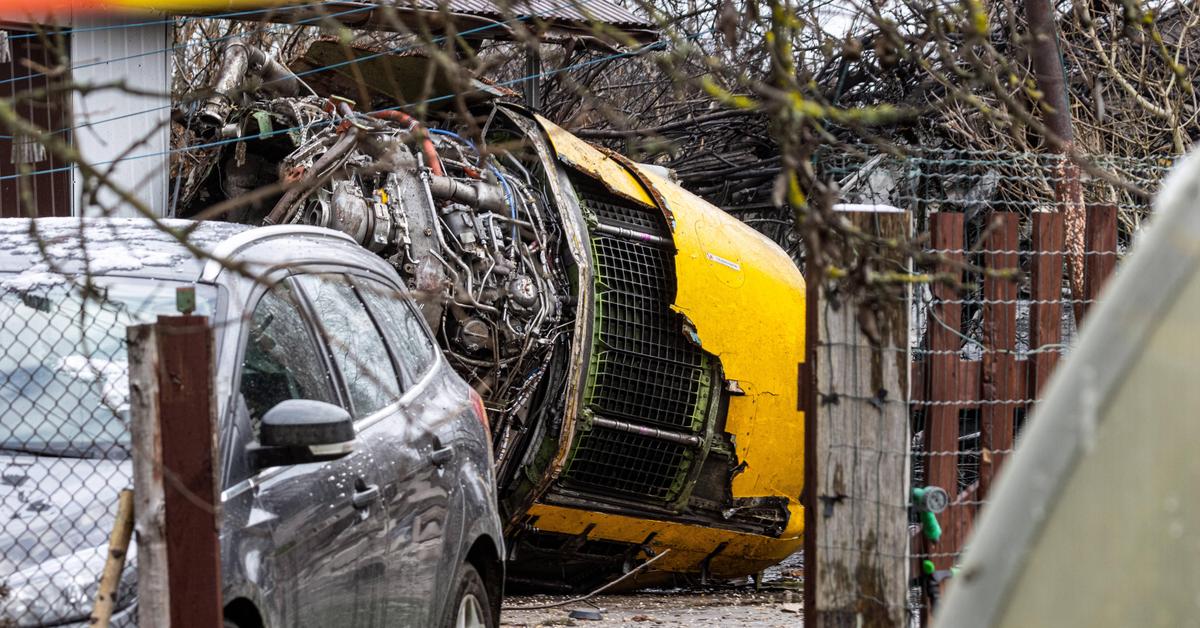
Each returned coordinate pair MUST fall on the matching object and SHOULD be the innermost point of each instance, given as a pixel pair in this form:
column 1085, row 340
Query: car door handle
column 365, row 497
column 441, row 456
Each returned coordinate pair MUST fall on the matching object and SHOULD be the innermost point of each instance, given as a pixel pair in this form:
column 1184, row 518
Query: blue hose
column 508, row 196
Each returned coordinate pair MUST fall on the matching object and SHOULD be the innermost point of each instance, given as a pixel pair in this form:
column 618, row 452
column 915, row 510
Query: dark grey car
column 398, row 527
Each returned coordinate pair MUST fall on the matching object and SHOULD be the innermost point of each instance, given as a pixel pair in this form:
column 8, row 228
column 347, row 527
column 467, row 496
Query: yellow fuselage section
column 746, row 300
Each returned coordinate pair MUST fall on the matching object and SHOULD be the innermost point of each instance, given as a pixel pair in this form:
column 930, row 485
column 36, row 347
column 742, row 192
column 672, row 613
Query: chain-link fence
column 65, row 451
column 70, row 289
column 1009, row 263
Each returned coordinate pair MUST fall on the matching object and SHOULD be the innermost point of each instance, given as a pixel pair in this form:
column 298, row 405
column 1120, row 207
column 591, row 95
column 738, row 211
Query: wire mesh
column 997, row 304
column 65, row 450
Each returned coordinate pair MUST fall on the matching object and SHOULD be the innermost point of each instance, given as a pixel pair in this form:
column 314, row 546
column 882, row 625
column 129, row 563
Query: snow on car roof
column 43, row 250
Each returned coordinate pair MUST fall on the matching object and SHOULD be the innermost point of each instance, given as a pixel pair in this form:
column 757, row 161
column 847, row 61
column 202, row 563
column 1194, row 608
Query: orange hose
column 435, row 162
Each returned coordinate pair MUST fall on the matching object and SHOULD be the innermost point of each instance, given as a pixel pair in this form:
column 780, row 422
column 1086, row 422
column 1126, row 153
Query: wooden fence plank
column 153, row 595
column 944, row 374
column 189, row 445
column 1046, row 311
column 1100, row 241
column 1000, row 342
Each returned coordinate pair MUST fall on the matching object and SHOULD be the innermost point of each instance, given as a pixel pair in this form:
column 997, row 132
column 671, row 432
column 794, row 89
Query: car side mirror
column 299, row 431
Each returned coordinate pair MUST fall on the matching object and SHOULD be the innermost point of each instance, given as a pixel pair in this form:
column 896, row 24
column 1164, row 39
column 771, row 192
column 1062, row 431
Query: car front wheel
column 470, row 608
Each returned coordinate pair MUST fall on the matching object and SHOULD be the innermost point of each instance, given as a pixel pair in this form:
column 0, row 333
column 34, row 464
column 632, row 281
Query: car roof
column 182, row 250
column 109, row 246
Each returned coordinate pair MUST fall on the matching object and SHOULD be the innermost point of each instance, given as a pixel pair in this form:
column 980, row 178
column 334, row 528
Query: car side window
column 282, row 360
column 401, row 326
column 354, row 341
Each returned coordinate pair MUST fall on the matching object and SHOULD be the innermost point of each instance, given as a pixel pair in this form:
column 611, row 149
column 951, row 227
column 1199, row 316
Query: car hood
column 53, row 507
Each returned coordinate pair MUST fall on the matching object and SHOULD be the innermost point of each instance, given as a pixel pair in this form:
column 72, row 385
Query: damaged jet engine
column 635, row 346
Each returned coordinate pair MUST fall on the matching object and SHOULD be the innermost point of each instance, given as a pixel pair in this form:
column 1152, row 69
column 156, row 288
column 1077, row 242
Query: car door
column 323, row 519
column 372, row 384
column 429, row 502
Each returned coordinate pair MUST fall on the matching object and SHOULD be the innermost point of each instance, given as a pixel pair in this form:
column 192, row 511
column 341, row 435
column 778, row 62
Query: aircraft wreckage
column 637, row 348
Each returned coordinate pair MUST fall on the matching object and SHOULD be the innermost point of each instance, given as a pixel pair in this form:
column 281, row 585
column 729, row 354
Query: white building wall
column 113, row 124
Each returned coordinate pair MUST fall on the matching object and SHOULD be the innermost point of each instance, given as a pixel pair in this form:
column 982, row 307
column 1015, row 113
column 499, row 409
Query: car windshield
column 64, row 387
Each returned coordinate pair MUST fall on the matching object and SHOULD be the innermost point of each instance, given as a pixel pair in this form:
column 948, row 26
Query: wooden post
column 857, row 491
column 1101, row 244
column 118, row 549
column 1000, row 343
column 1045, row 314
column 175, row 482
column 149, row 503
column 189, row 445
column 944, row 374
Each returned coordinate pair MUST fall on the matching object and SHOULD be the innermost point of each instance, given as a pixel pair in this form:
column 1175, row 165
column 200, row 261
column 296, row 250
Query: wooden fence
column 997, row 384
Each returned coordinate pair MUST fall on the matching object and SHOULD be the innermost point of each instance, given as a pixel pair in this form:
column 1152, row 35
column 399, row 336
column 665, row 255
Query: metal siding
column 583, row 11
column 113, row 123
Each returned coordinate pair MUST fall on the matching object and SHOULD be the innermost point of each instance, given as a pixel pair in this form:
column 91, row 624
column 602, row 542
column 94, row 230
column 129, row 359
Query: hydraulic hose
column 395, row 115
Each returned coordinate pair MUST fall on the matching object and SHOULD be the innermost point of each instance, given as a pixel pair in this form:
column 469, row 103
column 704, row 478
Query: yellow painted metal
column 746, row 299
column 589, row 159
column 743, row 554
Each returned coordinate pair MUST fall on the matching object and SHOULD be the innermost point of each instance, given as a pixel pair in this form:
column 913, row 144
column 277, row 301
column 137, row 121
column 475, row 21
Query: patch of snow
column 113, row 376
column 36, row 276
column 159, row 258
column 112, row 258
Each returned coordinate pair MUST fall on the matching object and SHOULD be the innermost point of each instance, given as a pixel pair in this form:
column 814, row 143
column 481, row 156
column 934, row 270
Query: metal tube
column 630, row 234
column 283, row 209
column 476, row 194
column 652, row 432
column 235, row 60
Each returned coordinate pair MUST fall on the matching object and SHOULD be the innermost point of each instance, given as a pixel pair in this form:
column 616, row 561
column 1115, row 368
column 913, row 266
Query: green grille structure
column 648, row 387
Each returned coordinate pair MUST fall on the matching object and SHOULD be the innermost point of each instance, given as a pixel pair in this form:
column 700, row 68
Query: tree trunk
column 1056, row 112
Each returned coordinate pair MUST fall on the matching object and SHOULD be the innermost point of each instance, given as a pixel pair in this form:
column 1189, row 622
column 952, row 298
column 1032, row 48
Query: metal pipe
column 477, row 194
column 435, row 162
column 651, row 432
column 283, row 209
column 237, row 60
column 630, row 234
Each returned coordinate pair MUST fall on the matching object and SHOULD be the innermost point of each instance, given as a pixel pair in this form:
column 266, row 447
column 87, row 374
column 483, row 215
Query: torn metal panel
column 690, row 545
column 747, row 301
column 587, row 158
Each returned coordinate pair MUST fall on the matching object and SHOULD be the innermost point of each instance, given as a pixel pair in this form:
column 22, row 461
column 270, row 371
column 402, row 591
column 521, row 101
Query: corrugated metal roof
column 582, row 11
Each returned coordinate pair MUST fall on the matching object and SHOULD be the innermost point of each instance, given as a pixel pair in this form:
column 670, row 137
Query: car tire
column 470, row 606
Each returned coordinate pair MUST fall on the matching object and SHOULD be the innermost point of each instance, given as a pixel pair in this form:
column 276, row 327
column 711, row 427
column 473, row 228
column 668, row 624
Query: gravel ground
column 665, row 608
column 777, row 603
